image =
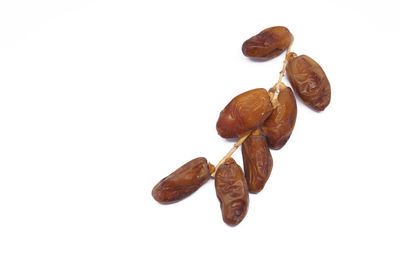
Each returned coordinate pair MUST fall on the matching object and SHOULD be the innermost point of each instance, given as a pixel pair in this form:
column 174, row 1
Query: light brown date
column 309, row 81
column 268, row 44
column 183, row 182
column 257, row 161
column 244, row 113
column 279, row 126
column 231, row 189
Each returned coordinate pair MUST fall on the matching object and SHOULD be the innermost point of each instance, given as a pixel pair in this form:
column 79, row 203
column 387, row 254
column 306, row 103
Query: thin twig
column 231, row 151
column 282, row 73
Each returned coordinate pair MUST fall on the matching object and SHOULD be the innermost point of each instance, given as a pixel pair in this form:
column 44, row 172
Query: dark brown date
column 267, row 44
column 279, row 126
column 257, row 161
column 244, row 113
column 309, row 81
column 232, row 192
column 183, row 182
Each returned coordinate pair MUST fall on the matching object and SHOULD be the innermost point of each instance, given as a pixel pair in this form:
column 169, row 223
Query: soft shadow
column 262, row 60
column 231, row 140
column 258, row 60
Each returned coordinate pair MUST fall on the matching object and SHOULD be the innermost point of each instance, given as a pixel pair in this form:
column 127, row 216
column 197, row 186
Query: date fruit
column 183, row 182
column 279, row 126
column 268, row 44
column 244, row 113
column 231, row 189
column 257, row 161
column 309, row 81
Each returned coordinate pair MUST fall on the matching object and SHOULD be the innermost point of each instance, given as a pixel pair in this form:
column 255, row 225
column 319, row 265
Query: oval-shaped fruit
column 257, row 161
column 183, row 182
column 279, row 126
column 269, row 43
column 309, row 81
column 244, row 113
column 231, row 189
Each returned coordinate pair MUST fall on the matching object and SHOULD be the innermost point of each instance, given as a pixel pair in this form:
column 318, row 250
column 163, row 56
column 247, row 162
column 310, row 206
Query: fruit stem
column 274, row 103
column 282, row 73
column 231, row 151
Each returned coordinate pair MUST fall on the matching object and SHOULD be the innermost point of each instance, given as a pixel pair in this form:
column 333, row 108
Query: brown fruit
column 279, row 126
column 257, row 161
column 183, row 182
column 244, row 113
column 232, row 193
column 267, row 44
column 309, row 81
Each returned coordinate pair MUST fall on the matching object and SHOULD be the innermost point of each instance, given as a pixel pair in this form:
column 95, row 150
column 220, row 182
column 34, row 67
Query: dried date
column 182, row 182
column 279, row 126
column 244, row 113
column 231, row 189
column 269, row 43
column 257, row 161
column 309, row 81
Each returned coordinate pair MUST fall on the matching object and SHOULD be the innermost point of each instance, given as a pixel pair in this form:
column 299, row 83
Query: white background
column 99, row 100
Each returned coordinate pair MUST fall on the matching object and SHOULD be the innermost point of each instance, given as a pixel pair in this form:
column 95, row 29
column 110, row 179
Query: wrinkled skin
column 268, row 44
column 279, row 126
column 309, row 81
column 257, row 161
column 183, row 182
column 232, row 193
column 244, row 113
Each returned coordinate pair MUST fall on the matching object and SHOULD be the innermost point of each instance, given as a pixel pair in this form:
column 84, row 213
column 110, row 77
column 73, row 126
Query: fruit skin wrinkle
column 309, row 81
column 257, row 161
column 232, row 192
column 280, row 124
column 244, row 113
column 267, row 44
column 182, row 182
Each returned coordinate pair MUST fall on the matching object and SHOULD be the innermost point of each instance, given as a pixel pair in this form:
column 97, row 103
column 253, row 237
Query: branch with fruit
column 262, row 120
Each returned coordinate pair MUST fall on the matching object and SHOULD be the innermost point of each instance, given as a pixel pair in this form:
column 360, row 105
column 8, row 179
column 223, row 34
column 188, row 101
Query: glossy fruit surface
column 244, row 113
column 280, row 124
column 309, row 81
column 231, row 189
column 257, row 161
column 183, row 182
column 268, row 44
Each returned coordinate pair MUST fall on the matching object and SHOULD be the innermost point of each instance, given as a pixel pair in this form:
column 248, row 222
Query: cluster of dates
column 264, row 121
